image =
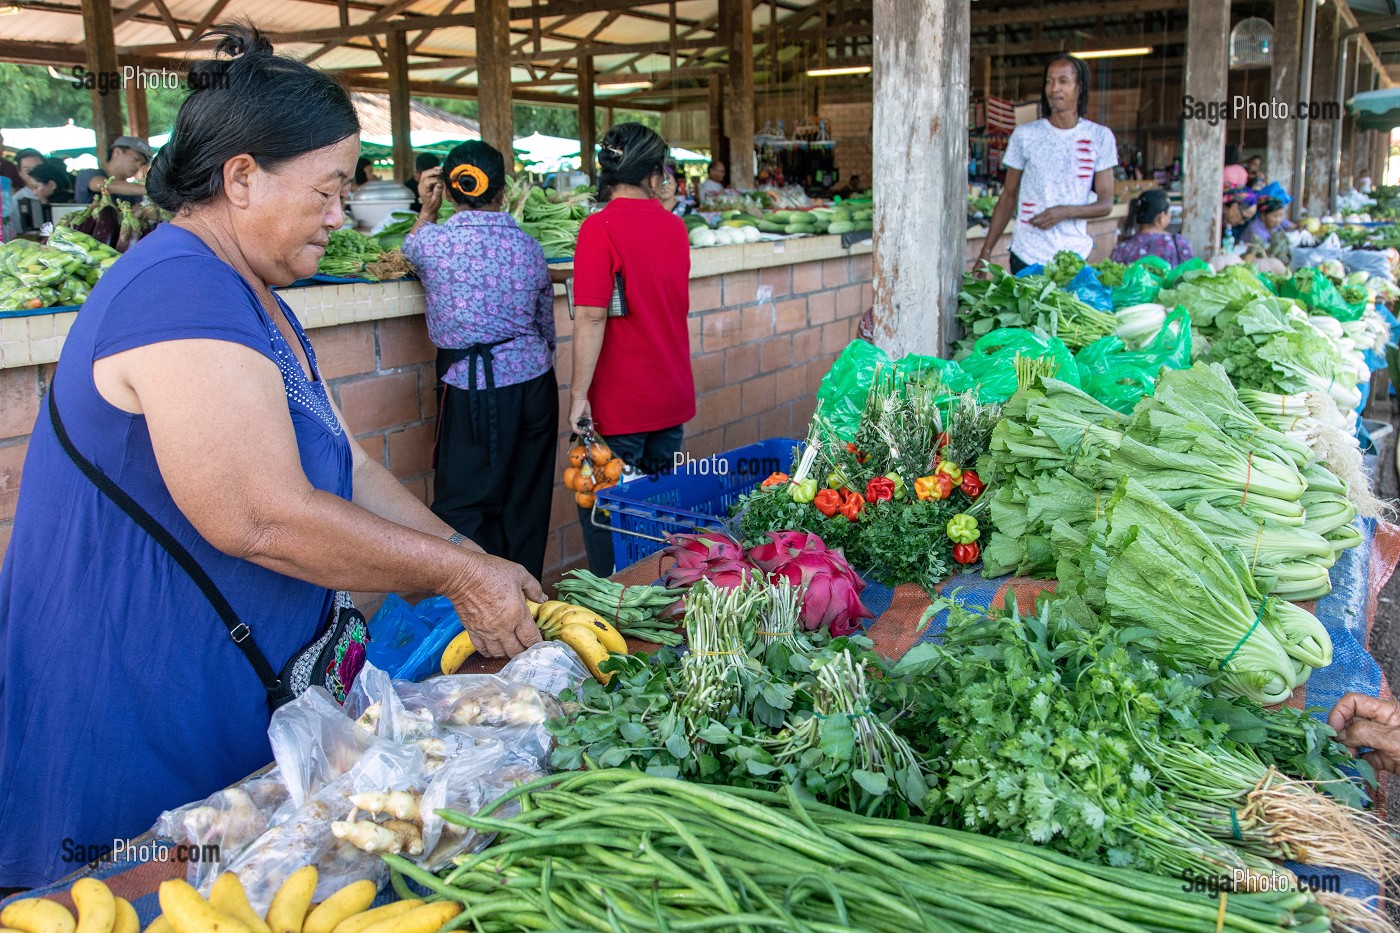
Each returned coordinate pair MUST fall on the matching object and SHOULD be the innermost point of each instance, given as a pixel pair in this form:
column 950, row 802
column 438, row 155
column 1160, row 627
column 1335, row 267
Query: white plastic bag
column 314, row 743
column 467, row 785
column 230, row 819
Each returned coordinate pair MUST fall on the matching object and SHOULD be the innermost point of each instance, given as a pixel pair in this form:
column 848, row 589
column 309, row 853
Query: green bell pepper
column 803, row 492
column 962, row 529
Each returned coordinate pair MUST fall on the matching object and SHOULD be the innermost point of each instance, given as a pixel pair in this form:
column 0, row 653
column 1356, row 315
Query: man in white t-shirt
column 714, row 182
column 1059, row 173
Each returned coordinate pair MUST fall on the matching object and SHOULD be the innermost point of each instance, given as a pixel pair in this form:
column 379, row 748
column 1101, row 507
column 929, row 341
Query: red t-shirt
column 643, row 380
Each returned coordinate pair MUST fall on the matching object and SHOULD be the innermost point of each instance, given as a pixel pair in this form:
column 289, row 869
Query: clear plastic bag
column 230, row 819
column 308, row 838
column 549, row 666
column 375, row 703
column 314, row 742
column 467, row 785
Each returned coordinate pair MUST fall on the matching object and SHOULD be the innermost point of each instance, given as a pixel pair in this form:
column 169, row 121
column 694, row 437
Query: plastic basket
column 696, row 496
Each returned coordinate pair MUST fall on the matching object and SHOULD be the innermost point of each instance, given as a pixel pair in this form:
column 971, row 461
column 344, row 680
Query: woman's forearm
column 342, row 545
column 589, row 324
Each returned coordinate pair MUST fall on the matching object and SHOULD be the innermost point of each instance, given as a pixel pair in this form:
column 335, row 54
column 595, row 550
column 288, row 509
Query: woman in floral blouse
column 491, row 315
column 1145, row 227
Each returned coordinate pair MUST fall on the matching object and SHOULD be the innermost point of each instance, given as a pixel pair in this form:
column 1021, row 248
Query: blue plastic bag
column 1034, row 268
column 1087, row 288
column 407, row 641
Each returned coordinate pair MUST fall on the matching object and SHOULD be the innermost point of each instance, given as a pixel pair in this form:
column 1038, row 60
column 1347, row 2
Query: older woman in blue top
column 192, row 386
column 491, row 315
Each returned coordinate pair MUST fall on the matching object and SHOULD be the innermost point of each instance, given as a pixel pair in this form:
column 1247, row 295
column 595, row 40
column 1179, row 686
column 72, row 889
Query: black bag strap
column 237, row 629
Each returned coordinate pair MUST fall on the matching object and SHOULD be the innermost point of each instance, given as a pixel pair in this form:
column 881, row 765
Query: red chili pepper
column 852, row 506
column 971, row 484
column 879, row 489
column 941, row 441
column 828, row 502
column 967, row 553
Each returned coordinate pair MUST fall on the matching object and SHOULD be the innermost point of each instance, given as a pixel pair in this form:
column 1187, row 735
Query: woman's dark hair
column 246, row 99
column 27, row 154
column 1232, row 154
column 1081, row 78
column 630, row 154
column 480, row 174
column 1144, row 209
column 424, row 161
column 362, row 170
column 46, row 172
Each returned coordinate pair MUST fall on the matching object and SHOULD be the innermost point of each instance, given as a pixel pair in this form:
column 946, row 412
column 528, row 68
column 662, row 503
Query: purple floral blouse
column 1172, row 247
column 486, row 280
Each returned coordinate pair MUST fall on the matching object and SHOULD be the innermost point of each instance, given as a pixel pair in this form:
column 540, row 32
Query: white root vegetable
column 400, row 804
column 393, row 836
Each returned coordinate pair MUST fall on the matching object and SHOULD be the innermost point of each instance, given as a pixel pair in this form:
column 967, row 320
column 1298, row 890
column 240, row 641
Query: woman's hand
column 430, row 192
column 489, row 596
column 978, row 268
column 580, row 411
column 1365, row 721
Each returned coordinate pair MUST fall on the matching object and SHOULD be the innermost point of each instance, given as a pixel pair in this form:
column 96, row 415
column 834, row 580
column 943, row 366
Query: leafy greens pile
column 1035, row 302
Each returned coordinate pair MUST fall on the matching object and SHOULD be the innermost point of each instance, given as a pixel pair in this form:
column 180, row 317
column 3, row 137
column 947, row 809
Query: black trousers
column 1016, row 263
column 499, row 497
column 650, row 451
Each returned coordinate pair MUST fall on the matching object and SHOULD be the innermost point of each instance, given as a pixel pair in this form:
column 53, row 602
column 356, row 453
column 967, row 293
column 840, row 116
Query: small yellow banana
column 97, row 908
column 343, row 904
column 457, row 652
column 187, row 912
column 292, row 901
column 228, row 896
column 610, row 637
column 127, row 921
column 424, row 919
column 160, row 925
column 360, row 922
column 37, row 915
column 548, row 610
column 585, row 643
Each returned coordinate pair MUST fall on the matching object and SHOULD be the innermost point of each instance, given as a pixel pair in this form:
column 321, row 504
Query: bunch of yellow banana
column 589, row 634
column 346, row 911
column 98, row 912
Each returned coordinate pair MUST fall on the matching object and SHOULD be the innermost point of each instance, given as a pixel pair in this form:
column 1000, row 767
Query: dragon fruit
column 713, row 556
column 833, row 589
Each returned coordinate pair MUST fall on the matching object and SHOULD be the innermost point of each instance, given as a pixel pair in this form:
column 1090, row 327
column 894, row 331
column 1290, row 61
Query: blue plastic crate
column 695, row 497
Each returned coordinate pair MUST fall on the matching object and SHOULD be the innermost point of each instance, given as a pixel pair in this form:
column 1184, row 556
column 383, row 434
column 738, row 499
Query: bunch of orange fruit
column 592, row 467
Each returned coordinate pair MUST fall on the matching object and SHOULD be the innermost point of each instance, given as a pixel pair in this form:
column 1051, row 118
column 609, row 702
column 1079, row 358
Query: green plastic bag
column 1140, row 286
column 1316, row 291
column 845, row 386
column 1190, row 267
column 992, row 364
column 1119, row 377
column 1156, row 265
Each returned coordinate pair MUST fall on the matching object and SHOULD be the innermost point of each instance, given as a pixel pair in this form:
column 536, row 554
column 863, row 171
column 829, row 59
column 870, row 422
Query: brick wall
column 760, row 343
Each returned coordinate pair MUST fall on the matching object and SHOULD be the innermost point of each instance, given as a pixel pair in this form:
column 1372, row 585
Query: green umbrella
column 1377, row 110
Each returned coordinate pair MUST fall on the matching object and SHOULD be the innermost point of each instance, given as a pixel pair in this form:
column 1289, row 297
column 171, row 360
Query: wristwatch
column 457, row 538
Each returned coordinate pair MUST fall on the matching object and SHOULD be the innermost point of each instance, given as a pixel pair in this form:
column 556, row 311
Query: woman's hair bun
column 629, row 154
column 246, row 99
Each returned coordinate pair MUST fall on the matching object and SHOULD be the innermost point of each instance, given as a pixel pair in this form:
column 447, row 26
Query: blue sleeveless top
column 121, row 693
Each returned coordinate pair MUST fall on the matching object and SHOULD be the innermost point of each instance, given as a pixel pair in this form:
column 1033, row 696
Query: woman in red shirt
column 631, row 375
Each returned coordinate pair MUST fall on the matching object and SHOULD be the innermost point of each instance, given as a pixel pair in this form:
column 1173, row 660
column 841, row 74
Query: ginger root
column 396, row 836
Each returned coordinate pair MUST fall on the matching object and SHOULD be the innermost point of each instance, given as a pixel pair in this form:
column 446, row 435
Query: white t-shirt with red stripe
column 1058, row 169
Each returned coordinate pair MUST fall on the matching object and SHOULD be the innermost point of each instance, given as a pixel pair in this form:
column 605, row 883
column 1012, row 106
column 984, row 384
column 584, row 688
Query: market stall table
column 1348, row 613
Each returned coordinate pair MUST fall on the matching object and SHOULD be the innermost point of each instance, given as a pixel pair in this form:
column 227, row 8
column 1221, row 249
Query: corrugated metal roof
column 295, row 16
column 373, row 110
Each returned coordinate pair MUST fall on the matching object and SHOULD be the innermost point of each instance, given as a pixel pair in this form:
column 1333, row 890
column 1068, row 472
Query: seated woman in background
column 1146, row 230
column 491, row 314
column 1270, row 216
column 1241, row 204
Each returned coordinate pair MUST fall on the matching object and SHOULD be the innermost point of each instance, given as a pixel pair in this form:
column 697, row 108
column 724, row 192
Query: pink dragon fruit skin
column 833, row 588
column 711, row 555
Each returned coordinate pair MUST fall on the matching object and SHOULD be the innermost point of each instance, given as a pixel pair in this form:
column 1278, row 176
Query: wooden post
column 1283, row 87
column 587, row 118
column 137, row 119
column 1206, row 73
column 922, row 48
column 493, row 73
column 716, row 118
column 1320, row 132
column 736, row 28
column 984, row 71
column 102, row 60
column 400, row 104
